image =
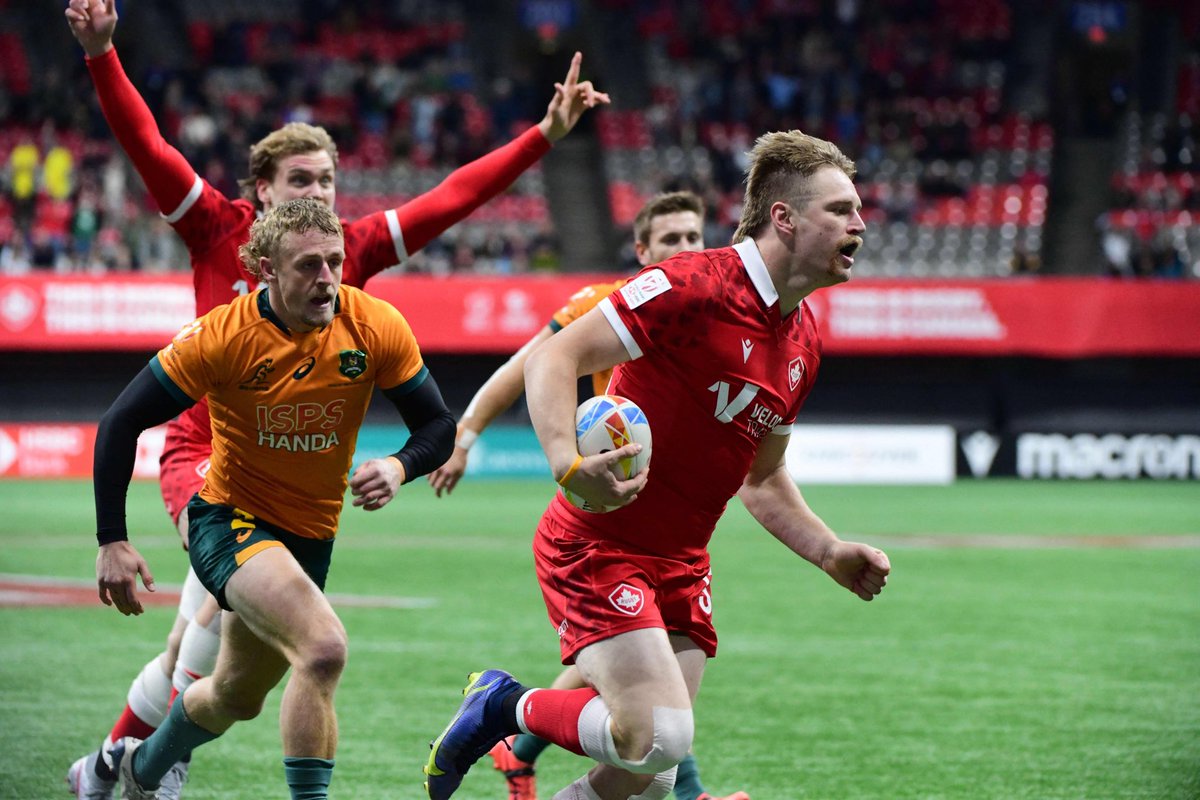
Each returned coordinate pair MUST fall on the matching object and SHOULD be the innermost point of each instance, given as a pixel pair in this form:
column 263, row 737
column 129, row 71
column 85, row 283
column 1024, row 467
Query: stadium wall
column 1120, row 398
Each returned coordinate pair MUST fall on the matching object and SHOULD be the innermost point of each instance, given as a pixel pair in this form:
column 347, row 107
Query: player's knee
column 672, row 740
column 659, row 788
column 324, row 659
column 240, row 707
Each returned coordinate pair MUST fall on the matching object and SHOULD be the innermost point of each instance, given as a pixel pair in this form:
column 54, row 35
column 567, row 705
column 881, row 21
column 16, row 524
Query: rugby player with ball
column 719, row 350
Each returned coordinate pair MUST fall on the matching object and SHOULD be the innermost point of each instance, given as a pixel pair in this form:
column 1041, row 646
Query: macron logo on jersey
column 645, row 287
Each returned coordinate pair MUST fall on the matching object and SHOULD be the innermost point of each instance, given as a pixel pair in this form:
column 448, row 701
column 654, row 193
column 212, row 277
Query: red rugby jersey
column 715, row 369
column 213, row 226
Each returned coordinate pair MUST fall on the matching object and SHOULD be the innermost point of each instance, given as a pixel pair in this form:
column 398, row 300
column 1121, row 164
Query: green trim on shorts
column 221, row 538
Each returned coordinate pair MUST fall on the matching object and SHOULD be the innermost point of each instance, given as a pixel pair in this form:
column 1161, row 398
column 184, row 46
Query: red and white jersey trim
column 192, row 196
column 393, row 223
column 756, row 268
column 619, row 327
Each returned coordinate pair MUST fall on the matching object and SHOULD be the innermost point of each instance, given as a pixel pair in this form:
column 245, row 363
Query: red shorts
column 595, row 590
column 181, row 470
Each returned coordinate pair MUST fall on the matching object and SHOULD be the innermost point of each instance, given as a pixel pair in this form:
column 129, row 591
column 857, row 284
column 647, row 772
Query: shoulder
column 213, row 201
column 692, row 275
column 357, row 305
column 235, row 317
column 243, row 208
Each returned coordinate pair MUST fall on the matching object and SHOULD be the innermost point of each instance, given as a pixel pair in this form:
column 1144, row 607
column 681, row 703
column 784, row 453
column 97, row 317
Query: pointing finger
column 573, row 72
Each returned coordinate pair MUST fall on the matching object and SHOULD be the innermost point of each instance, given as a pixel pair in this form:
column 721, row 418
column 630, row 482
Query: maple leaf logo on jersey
column 795, row 372
column 627, row 599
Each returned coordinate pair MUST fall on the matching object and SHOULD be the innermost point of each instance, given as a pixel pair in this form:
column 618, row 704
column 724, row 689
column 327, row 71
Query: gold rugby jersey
column 286, row 406
column 579, row 304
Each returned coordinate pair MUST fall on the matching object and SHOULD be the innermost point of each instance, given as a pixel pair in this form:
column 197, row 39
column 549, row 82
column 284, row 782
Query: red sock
column 130, row 725
column 553, row 714
column 175, row 691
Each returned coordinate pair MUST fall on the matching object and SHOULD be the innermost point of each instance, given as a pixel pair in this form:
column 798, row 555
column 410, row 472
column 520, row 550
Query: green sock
column 528, row 747
column 308, row 778
column 174, row 741
column 687, row 779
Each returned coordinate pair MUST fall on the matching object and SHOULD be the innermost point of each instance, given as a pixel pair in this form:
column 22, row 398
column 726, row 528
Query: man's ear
column 265, row 268
column 262, row 189
column 642, row 251
column 781, row 217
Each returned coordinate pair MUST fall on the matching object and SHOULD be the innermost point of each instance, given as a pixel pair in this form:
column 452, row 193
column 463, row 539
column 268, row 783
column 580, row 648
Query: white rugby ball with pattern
column 606, row 422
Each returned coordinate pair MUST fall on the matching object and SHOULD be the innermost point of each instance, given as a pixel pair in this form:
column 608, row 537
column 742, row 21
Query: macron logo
column 747, row 346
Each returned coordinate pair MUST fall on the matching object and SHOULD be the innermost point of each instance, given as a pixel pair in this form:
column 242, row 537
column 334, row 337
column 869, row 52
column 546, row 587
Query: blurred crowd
column 397, row 93
column 927, row 95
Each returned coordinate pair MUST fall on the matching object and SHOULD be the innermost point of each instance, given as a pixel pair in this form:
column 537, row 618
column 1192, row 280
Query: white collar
column 756, row 268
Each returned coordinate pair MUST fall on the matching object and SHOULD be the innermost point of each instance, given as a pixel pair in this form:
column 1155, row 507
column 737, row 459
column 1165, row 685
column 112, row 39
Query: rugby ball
column 606, row 422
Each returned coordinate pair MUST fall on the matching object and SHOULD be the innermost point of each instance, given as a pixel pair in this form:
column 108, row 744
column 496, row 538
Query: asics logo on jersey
column 747, row 346
column 727, row 410
column 304, row 368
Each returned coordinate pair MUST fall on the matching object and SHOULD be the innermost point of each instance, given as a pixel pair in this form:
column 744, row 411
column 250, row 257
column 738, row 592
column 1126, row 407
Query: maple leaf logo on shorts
column 627, row 599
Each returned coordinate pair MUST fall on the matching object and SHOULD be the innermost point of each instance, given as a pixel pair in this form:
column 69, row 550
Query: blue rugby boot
column 473, row 731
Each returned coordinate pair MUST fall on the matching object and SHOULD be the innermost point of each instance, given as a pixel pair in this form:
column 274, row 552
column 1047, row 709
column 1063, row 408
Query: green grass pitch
column 1037, row 640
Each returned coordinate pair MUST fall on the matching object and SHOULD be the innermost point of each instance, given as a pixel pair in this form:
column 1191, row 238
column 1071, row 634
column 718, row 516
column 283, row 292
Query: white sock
column 150, row 693
column 579, row 790
column 197, row 653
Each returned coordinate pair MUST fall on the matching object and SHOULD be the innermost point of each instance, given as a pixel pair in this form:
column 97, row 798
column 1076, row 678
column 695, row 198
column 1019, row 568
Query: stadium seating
column 953, row 182
column 1151, row 227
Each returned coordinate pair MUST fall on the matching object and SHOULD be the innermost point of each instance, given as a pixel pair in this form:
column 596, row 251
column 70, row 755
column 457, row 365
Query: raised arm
column 496, row 396
column 571, row 98
column 772, row 498
column 164, row 170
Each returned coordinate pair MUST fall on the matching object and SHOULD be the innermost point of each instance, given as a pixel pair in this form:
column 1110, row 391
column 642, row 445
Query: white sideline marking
column 12, row 595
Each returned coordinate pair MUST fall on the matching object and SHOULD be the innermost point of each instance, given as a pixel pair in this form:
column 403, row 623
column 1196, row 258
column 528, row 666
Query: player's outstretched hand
column 93, row 22
column 571, row 99
column 375, row 482
column 860, row 568
column 447, row 476
column 596, row 481
column 118, row 566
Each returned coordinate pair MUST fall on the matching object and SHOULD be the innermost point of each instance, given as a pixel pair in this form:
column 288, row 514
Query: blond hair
column 290, row 140
column 665, row 203
column 295, row 216
column 776, row 161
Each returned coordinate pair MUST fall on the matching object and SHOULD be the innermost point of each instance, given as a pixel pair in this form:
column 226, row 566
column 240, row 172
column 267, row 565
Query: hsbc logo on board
column 487, row 312
column 628, row 599
column 906, row 313
column 18, row 306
